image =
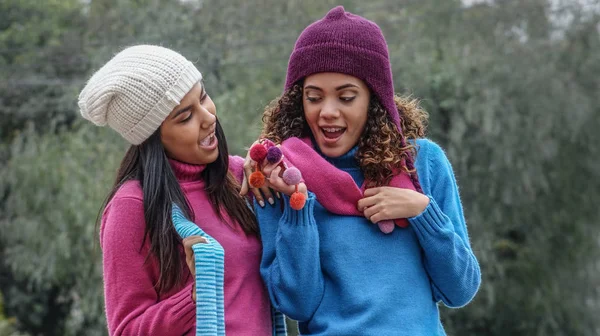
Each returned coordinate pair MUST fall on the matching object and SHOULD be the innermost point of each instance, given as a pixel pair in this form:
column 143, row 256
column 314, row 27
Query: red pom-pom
column 258, row 153
column 401, row 222
column 257, row 179
column 297, row 200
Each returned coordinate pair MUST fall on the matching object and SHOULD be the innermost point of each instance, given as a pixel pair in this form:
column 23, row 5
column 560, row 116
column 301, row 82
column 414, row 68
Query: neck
column 348, row 163
column 344, row 161
column 186, row 172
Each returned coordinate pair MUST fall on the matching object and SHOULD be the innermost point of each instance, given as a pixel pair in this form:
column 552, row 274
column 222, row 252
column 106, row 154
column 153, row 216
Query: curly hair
column 382, row 150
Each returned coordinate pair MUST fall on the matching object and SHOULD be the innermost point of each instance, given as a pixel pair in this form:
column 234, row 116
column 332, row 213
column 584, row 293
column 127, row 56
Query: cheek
column 180, row 137
column 360, row 115
column 311, row 115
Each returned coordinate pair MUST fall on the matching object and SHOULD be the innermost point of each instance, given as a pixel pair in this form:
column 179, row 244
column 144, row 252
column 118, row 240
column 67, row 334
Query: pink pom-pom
column 268, row 143
column 258, row 153
column 386, row 226
column 274, row 154
column 292, row 176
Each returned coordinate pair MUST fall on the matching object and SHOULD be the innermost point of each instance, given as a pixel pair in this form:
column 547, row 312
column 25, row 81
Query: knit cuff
column 184, row 308
column 431, row 222
column 304, row 216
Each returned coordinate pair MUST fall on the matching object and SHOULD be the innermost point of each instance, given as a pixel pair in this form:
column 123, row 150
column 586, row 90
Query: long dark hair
column 148, row 163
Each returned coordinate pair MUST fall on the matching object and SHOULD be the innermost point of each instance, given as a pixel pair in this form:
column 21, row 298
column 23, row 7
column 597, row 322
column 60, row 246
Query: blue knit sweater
column 339, row 275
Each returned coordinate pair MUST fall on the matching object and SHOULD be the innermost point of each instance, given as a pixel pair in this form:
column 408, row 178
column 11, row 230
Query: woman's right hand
column 274, row 176
column 249, row 165
column 189, row 257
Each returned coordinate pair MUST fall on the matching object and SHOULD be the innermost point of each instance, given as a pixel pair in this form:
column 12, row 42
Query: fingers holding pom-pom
column 257, row 179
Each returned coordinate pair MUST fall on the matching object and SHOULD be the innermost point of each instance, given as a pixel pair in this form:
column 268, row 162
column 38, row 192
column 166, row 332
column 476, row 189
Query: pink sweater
column 132, row 305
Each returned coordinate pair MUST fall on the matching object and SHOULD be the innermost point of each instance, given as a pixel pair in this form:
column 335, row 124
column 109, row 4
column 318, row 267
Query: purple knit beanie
column 346, row 43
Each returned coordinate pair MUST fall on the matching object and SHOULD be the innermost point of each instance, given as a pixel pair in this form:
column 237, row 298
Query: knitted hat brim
column 146, row 126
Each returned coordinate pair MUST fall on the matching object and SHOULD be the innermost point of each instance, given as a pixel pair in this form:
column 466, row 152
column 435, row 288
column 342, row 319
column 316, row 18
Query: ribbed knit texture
column 132, row 304
column 338, row 275
column 346, row 43
column 209, row 262
column 137, row 89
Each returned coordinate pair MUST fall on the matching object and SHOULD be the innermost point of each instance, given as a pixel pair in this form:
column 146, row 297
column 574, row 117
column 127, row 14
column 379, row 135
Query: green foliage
column 56, row 183
column 7, row 327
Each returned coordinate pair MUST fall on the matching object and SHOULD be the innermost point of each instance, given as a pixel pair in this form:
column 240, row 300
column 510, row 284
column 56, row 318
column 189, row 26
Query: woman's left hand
column 383, row 203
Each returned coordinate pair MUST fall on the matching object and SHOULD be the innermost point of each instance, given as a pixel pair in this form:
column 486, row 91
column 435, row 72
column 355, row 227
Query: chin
column 204, row 159
column 211, row 158
column 333, row 152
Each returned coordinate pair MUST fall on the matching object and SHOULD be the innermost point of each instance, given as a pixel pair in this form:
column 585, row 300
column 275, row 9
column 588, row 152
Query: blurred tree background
column 512, row 88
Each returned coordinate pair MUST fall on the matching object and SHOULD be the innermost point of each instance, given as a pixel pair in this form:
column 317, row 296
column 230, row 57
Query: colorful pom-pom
column 258, row 153
column 268, row 143
column 386, row 226
column 274, row 154
column 401, row 222
column 257, row 179
column 292, row 176
column 297, row 201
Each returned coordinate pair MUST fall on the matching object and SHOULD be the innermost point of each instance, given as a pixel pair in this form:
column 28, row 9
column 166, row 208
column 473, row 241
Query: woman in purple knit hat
column 381, row 239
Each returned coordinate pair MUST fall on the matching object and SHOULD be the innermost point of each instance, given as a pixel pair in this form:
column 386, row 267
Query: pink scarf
column 335, row 189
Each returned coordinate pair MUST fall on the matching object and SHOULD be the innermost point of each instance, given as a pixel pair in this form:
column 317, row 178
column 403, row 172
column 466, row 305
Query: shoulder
column 129, row 197
column 124, row 214
column 429, row 149
column 430, row 155
column 130, row 189
column 433, row 166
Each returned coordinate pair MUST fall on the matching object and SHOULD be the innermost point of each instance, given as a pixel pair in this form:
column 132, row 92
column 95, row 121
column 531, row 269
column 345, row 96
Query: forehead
column 332, row 80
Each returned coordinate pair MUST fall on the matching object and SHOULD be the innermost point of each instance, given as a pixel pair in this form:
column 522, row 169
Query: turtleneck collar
column 185, row 172
column 346, row 161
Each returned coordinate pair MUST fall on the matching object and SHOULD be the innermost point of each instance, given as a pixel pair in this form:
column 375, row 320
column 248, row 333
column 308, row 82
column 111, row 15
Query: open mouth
column 333, row 133
column 210, row 142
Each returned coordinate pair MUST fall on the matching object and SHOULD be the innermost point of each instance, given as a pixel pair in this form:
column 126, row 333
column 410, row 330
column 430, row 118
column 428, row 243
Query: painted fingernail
column 262, row 204
column 271, row 201
column 278, row 195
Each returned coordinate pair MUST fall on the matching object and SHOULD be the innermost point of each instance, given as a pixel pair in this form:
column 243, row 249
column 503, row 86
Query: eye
column 187, row 118
column 312, row 99
column 204, row 96
column 347, row 99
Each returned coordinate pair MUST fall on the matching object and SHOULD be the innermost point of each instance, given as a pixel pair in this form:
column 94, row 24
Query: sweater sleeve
column 236, row 167
column 442, row 233
column 132, row 304
column 290, row 265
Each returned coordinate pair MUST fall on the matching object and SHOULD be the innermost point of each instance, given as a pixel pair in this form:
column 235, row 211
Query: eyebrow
column 345, row 86
column 187, row 108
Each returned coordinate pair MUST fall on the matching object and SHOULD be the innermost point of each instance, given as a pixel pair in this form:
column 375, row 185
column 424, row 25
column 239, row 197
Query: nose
column 207, row 118
column 329, row 110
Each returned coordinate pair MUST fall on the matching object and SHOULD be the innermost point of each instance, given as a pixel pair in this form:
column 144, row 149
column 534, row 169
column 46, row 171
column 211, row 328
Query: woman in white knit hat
column 178, row 162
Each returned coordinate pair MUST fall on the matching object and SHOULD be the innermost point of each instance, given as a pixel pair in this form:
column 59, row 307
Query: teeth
column 207, row 141
column 331, row 129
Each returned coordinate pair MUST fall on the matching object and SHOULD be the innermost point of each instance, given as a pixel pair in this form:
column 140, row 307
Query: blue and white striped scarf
column 210, row 268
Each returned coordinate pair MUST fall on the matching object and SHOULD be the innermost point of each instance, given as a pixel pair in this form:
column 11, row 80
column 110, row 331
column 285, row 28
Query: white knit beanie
column 137, row 89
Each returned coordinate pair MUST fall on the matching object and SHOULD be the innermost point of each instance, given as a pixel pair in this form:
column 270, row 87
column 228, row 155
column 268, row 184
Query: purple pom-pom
column 274, row 154
column 292, row 176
